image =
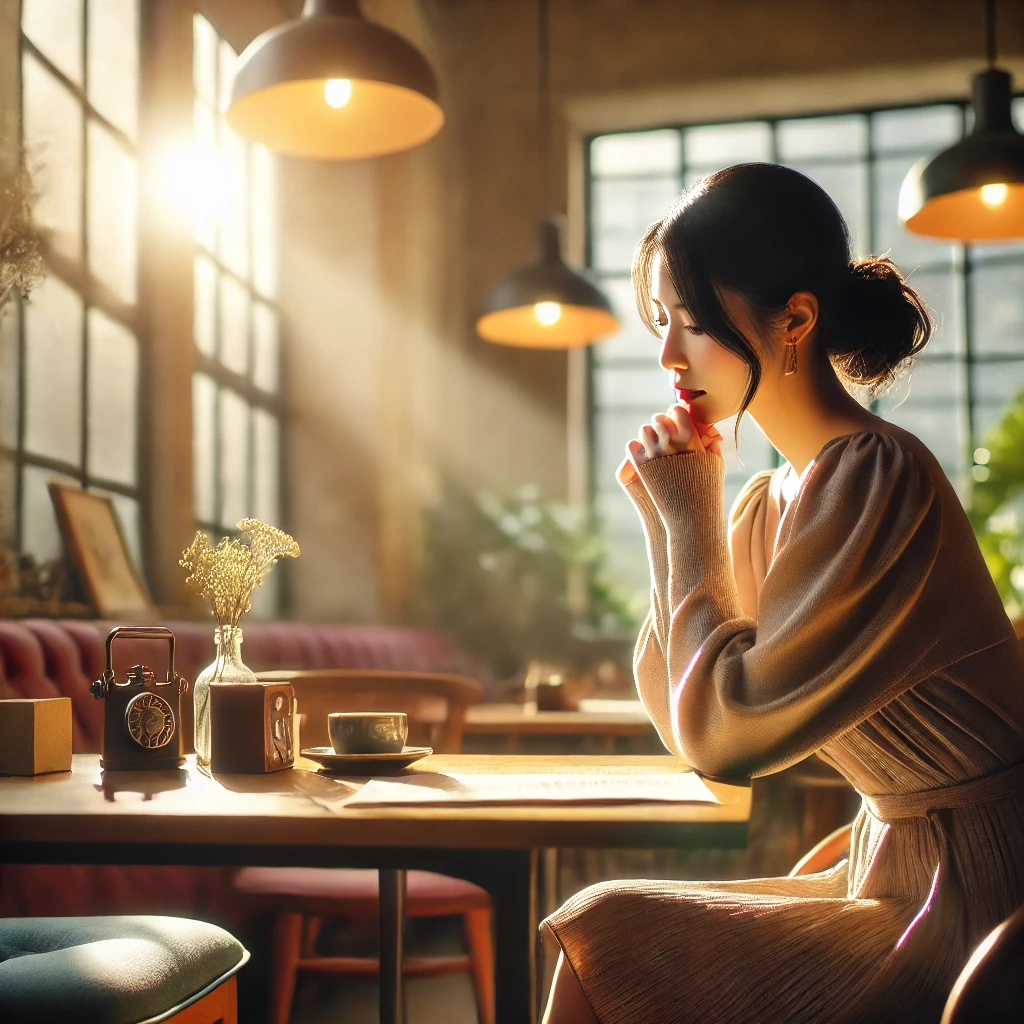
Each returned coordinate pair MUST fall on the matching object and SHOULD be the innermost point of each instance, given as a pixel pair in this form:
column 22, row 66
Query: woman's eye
column 694, row 330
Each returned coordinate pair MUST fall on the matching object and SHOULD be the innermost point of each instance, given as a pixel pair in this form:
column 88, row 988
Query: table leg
column 391, row 908
column 515, row 899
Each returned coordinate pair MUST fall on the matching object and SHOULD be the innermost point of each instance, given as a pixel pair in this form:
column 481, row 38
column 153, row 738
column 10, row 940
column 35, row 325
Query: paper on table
column 584, row 787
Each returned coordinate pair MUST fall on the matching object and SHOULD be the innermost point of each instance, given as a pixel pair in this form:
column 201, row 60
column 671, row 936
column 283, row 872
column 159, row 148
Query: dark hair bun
column 882, row 323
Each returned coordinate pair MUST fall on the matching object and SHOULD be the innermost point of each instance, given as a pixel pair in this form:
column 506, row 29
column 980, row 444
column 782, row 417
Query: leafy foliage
column 499, row 575
column 997, row 505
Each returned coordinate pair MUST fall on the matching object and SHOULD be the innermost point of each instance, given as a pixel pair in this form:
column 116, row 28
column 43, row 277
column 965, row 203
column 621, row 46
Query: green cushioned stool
column 117, row 970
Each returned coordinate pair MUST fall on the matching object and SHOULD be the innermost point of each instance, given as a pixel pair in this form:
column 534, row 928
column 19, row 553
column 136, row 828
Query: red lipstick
column 687, row 395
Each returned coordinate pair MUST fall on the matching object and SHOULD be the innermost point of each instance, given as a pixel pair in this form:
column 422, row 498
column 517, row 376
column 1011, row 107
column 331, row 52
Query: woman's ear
column 801, row 315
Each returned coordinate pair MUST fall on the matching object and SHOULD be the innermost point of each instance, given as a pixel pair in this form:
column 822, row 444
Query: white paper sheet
column 584, row 787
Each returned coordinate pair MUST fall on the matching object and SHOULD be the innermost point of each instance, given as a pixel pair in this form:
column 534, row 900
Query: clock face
column 150, row 720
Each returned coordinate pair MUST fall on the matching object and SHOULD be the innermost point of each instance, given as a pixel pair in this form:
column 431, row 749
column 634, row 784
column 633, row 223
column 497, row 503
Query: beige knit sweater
column 859, row 621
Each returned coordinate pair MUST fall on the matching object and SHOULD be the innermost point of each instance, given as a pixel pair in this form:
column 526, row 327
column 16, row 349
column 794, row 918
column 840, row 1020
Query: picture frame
column 95, row 541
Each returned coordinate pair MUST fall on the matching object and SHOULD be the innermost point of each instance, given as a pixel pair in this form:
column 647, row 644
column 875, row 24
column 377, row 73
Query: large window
column 79, row 104
column 236, row 388
column 964, row 378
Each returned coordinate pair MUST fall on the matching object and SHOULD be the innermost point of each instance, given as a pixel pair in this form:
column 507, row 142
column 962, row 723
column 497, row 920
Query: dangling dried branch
column 21, row 259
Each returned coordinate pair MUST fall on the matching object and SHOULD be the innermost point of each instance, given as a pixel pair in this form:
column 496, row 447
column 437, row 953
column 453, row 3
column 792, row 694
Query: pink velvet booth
column 57, row 657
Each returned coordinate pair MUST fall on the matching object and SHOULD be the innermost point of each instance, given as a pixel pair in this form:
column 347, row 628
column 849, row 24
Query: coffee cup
column 368, row 732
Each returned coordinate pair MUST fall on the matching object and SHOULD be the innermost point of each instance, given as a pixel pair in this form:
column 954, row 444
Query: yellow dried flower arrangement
column 229, row 572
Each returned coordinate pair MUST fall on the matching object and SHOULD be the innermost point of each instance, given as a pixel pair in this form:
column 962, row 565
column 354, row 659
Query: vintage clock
column 142, row 718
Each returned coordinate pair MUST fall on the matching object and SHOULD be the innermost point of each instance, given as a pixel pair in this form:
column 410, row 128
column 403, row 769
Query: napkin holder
column 251, row 727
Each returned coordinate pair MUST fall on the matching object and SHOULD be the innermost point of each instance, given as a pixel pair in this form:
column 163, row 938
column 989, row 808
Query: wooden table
column 514, row 721
column 298, row 818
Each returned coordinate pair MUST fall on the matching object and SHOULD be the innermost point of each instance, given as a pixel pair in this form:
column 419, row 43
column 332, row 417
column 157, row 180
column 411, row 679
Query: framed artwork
column 92, row 532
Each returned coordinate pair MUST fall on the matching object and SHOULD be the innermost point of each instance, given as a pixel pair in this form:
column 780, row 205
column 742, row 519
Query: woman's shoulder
column 752, row 493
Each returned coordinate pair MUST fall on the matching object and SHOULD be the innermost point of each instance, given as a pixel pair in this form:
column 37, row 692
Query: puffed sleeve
column 843, row 617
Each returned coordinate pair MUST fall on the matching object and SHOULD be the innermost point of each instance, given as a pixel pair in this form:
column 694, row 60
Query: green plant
column 500, row 574
column 996, row 507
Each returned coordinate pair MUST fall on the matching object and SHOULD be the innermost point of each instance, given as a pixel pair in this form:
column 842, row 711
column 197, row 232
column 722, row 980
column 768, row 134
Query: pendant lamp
column 332, row 85
column 973, row 191
column 546, row 304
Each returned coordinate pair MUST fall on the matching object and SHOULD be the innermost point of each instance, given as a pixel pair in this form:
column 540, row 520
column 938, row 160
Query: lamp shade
column 333, row 86
column 973, row 191
column 547, row 304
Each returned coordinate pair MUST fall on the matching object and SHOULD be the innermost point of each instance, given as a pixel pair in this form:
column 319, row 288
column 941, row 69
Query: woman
column 846, row 611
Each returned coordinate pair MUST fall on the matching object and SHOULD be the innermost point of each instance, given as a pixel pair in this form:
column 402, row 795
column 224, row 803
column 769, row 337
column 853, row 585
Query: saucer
column 365, row 764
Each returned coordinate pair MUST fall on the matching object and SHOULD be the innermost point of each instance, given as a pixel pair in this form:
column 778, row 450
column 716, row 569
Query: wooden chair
column 991, row 985
column 436, row 705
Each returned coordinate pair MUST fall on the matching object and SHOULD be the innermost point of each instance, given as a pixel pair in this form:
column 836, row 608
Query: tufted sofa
column 56, row 657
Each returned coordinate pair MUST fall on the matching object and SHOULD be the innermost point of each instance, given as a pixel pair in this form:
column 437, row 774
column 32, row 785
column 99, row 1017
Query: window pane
column 53, row 144
column 233, row 201
column 623, row 209
column 932, row 405
column 847, row 185
column 995, row 386
column 997, row 309
column 114, row 62
column 645, row 391
column 832, row 137
column 55, row 26
column 234, row 324
column 634, row 341
column 112, row 213
column 266, row 462
column 941, row 291
column 720, row 145
column 916, row 130
column 906, row 249
column 234, row 457
column 113, row 400
column 208, row 180
column 10, row 315
column 226, row 61
column 204, row 59
column 264, row 221
column 204, row 426
column 265, row 347
column 205, row 306
column 657, row 152
column 40, row 535
column 53, row 372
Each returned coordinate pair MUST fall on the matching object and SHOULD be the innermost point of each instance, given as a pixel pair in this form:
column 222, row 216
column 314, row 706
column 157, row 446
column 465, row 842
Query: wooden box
column 35, row 735
column 251, row 727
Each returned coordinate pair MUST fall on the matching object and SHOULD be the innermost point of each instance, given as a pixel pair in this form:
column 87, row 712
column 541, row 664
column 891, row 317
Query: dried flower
column 21, row 260
column 229, row 573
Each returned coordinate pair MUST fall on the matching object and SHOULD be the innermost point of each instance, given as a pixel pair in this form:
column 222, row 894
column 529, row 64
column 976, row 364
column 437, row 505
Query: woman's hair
column 766, row 232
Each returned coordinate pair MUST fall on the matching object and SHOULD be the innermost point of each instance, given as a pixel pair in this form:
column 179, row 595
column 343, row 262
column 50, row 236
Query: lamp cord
column 544, row 98
column 990, row 32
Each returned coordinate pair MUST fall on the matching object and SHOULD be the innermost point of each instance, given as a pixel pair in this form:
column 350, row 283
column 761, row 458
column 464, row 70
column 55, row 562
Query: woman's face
column 696, row 361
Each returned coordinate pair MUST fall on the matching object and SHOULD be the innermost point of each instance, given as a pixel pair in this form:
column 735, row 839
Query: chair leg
column 287, row 946
column 481, row 953
column 312, row 933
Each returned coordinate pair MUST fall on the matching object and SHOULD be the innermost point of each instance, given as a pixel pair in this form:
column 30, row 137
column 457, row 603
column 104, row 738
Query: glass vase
column 227, row 667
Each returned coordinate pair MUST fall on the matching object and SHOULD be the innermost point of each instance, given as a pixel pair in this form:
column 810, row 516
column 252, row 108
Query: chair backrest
column 991, row 986
column 435, row 702
column 825, row 854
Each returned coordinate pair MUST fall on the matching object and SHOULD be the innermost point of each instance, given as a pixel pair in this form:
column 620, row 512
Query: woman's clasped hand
column 667, row 434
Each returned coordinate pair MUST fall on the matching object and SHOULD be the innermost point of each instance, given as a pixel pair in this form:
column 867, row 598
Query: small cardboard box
column 35, row 735
column 251, row 727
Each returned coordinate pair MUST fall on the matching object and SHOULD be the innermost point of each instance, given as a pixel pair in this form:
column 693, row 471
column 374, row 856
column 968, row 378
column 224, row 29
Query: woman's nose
column 672, row 355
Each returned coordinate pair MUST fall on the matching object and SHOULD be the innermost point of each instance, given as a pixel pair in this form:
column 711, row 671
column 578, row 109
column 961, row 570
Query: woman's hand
column 668, row 434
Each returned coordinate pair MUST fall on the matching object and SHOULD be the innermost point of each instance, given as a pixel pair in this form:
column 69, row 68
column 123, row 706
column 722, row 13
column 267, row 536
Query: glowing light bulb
column 337, row 92
column 547, row 313
column 993, row 195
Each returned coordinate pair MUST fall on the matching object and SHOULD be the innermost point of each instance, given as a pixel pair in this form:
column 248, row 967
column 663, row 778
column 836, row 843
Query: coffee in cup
column 368, row 732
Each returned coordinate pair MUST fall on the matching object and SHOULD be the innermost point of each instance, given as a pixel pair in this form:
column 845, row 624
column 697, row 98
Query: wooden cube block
column 251, row 727
column 35, row 735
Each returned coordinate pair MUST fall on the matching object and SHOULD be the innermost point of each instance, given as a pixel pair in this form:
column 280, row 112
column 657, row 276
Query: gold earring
column 789, row 367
